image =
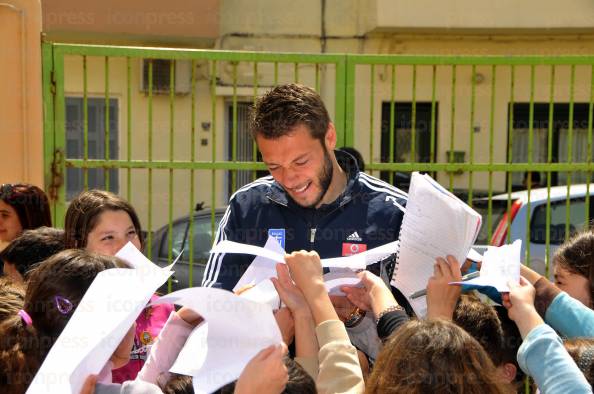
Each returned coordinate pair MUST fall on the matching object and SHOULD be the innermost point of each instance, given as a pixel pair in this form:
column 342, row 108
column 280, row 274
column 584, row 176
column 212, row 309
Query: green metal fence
column 475, row 123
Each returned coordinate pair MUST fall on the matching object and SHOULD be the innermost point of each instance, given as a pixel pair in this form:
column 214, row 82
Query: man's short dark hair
column 283, row 108
column 33, row 247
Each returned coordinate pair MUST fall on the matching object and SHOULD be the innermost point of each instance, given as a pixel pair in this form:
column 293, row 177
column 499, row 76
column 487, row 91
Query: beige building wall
column 463, row 27
column 21, row 131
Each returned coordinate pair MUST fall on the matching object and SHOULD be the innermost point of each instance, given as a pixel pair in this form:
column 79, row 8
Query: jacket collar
column 347, row 162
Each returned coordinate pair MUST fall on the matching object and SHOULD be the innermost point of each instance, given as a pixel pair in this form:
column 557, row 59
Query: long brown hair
column 23, row 347
column 582, row 352
column 433, row 356
column 83, row 213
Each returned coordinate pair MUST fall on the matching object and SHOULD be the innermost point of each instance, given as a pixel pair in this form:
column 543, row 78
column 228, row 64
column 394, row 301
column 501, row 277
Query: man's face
column 300, row 163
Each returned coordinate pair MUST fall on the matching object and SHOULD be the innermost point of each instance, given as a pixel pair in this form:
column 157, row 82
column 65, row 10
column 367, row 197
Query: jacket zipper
column 312, row 235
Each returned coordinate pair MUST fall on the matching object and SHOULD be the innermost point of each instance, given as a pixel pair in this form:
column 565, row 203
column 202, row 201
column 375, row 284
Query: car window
column 202, row 236
column 577, row 219
column 179, row 233
column 498, row 208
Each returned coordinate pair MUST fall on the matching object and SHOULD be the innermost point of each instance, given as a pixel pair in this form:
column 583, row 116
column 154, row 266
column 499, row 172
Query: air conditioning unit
column 162, row 75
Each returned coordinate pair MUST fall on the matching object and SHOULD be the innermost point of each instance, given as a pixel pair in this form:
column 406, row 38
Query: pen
column 466, row 277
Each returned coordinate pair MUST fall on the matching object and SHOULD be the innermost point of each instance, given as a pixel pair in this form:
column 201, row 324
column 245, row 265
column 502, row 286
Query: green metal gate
column 477, row 123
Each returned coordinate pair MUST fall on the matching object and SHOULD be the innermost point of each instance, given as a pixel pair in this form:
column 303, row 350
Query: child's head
column 582, row 352
column 482, row 322
column 574, row 267
column 12, row 296
column 22, row 207
column 54, row 290
column 29, row 249
column 101, row 222
column 429, row 356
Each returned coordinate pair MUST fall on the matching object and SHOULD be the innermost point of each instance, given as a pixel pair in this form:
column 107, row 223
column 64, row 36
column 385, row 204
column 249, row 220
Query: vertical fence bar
column 150, row 157
column 255, row 98
column 171, row 154
column 371, row 113
column 510, row 142
column 589, row 153
column 234, row 129
column 433, row 107
column 413, row 132
column 213, row 98
column 392, row 116
column 48, row 124
column 105, row 171
column 85, row 125
column 129, row 127
column 530, row 154
column 549, row 161
column 569, row 150
column 345, row 101
column 317, row 65
column 471, row 128
column 452, row 125
column 192, row 181
column 296, row 72
column 491, row 153
column 275, row 73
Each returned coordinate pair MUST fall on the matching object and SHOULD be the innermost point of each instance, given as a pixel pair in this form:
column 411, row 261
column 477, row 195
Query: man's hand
column 441, row 296
column 374, row 295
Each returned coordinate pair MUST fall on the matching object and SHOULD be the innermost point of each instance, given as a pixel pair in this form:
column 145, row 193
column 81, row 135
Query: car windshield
column 498, row 209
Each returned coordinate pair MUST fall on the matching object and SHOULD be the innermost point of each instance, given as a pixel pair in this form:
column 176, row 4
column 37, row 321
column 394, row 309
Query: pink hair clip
column 26, row 318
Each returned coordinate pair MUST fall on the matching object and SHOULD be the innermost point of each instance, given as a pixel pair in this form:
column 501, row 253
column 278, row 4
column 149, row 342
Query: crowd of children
column 542, row 335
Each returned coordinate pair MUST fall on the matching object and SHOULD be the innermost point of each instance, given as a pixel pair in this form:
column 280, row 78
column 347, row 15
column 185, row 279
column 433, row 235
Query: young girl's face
column 113, row 230
column 10, row 225
column 576, row 285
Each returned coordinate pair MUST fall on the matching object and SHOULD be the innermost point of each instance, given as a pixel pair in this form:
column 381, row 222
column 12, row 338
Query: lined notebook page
column 436, row 223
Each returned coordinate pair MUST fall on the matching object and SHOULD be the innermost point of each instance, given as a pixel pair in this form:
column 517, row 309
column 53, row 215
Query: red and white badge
column 349, row 249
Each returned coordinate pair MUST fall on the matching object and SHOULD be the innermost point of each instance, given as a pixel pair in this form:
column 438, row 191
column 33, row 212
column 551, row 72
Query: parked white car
column 559, row 195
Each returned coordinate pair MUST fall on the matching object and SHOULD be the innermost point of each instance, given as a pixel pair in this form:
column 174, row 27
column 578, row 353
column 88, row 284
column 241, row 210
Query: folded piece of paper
column 357, row 261
column 500, row 265
column 104, row 315
column 134, row 257
column 261, row 268
column 237, row 329
column 333, row 281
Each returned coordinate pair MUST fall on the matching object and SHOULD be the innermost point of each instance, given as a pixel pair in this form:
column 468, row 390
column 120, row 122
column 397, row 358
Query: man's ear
column 508, row 372
column 330, row 138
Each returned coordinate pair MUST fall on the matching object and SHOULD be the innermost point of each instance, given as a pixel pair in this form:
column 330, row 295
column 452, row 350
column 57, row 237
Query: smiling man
column 315, row 197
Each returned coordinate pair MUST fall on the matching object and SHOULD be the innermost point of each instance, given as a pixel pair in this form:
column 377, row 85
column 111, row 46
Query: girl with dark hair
column 54, row 290
column 102, row 222
column 574, row 267
column 22, row 207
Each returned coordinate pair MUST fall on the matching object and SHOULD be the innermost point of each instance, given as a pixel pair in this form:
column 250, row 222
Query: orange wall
column 21, row 132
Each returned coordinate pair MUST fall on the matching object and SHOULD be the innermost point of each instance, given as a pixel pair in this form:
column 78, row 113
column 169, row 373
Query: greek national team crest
column 278, row 234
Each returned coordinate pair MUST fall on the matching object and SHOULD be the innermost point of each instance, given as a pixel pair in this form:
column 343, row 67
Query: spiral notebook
column 436, row 223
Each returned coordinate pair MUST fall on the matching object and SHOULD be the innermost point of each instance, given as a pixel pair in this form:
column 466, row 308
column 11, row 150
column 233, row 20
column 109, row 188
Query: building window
column 403, row 138
column 560, row 140
column 96, row 143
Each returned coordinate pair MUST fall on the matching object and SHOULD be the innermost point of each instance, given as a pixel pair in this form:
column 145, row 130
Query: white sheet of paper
column 237, row 330
column 264, row 292
column 500, row 265
column 134, row 257
column 261, row 268
column 357, row 261
column 333, row 281
column 106, row 312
